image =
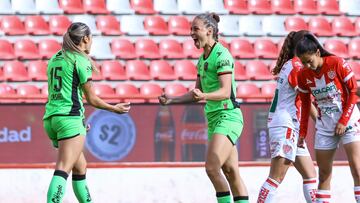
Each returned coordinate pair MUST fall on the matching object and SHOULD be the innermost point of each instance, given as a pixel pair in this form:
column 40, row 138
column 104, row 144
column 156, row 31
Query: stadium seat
column 282, row 7
column 355, row 67
column 240, row 73
column 354, row 48
column 36, row 25
column 179, row 25
column 133, row 25
column 295, row 23
column 229, row 26
column 320, row 26
column 274, row 26
column 89, row 20
column 147, row 48
column 96, row 75
column 123, row 48
column 306, row 7
column 257, row 70
column 151, row 90
column 48, row 7
column 170, row 48
column 337, row 47
column 6, row 50
column 23, row 7
column 357, row 25
column 26, row 49
column 113, row 70
column 28, row 90
column 236, row 6
column 119, row 6
column 185, row 70
column 190, row 50
column 342, row 26
column 95, row 6
column 37, row 70
column 48, row 47
column 15, row 71
column 12, row 25
column 5, row 7
column 143, row 6
column 246, row 90
column 242, row 48
column 189, row 6
column 265, row 48
column 137, row 70
column 108, row 25
column 166, row 7
column 250, row 26
column 350, row 7
column 44, row 90
column 161, row 70
column 224, row 43
column 59, row 24
column 104, row 91
column 175, row 89
column 100, row 49
column 1, row 74
column 216, row 6
column 128, row 90
column 7, row 93
column 72, row 6
column 259, row 7
column 156, row 25
column 268, row 89
column 328, row 7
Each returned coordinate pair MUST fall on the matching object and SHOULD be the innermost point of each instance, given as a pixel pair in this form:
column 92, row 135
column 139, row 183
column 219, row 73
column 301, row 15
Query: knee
column 79, row 168
column 356, row 173
column 212, row 170
column 324, row 175
column 229, row 171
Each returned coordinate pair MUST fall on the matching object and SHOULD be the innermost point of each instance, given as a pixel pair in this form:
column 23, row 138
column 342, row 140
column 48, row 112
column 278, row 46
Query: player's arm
column 222, row 93
column 313, row 112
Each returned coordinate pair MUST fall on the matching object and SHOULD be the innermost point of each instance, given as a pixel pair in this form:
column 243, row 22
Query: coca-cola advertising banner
column 148, row 133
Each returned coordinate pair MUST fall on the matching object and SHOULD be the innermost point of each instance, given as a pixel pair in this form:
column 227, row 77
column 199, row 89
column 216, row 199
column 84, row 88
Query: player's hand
column 164, row 99
column 301, row 142
column 198, row 94
column 340, row 129
column 122, row 107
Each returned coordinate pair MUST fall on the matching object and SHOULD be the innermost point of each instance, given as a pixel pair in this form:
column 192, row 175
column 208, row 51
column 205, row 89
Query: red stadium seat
column 95, row 6
column 137, row 70
column 12, row 25
column 357, row 25
column 37, row 70
column 156, row 25
column 108, row 25
column 355, row 67
column 71, row 6
column 48, row 47
column 44, row 90
column 59, row 24
column 170, row 48
column 104, row 91
column 282, row 7
column 175, row 89
column 1, row 74
column 113, row 70
column 328, row 7
column 257, row 70
column 123, row 48
column 190, row 50
column 151, row 90
column 26, row 90
column 143, row 6
column 337, row 47
column 36, row 25
column 295, row 23
column 179, row 25
column 7, row 92
column 242, row 48
column 224, row 43
column 342, row 26
column 259, row 6
column 147, row 48
column 128, row 90
column 15, row 71
column 240, row 73
column 306, row 7
column 236, row 6
column 245, row 90
column 265, row 48
column 354, row 48
column 6, row 50
column 320, row 26
column 161, row 70
column 26, row 49
column 185, row 70
column 268, row 90
column 97, row 76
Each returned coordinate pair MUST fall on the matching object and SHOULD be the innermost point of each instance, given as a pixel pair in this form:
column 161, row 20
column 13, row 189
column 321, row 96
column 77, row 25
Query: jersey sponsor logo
column 222, row 63
column 8, row 135
column 112, row 136
column 323, row 90
column 331, row 74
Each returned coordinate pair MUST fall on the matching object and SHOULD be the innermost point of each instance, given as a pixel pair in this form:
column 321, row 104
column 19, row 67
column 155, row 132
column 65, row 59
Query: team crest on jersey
column 287, row 149
column 206, row 66
column 331, row 74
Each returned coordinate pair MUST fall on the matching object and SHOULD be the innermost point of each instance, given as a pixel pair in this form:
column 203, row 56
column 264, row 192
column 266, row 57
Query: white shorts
column 328, row 141
column 283, row 143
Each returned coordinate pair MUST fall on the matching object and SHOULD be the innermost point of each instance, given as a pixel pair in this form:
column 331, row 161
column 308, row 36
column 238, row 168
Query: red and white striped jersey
column 285, row 106
column 334, row 90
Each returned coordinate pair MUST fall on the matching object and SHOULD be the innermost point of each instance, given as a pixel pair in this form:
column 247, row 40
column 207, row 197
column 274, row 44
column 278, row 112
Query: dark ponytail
column 309, row 45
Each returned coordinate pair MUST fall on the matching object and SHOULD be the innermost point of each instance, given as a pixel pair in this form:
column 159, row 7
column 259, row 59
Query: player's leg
column 305, row 166
column 79, row 183
column 324, row 159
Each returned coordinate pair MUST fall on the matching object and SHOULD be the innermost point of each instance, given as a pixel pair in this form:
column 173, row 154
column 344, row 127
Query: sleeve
column 304, row 95
column 347, row 77
column 84, row 70
column 292, row 78
column 224, row 64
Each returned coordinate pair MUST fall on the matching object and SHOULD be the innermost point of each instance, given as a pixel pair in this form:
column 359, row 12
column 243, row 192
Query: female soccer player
column 283, row 124
column 331, row 81
column 69, row 72
column 215, row 84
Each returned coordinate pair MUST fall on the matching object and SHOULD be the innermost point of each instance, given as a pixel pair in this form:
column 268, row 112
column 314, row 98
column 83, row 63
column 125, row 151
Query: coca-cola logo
column 198, row 134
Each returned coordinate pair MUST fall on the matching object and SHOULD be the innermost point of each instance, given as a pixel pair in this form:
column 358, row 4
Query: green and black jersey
column 65, row 77
column 217, row 63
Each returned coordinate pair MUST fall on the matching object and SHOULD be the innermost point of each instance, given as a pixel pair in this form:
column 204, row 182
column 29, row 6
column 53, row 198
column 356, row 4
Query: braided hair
column 211, row 20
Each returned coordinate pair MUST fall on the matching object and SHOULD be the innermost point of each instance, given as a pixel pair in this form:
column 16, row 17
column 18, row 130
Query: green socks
column 81, row 189
column 223, row 197
column 241, row 199
column 57, row 187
